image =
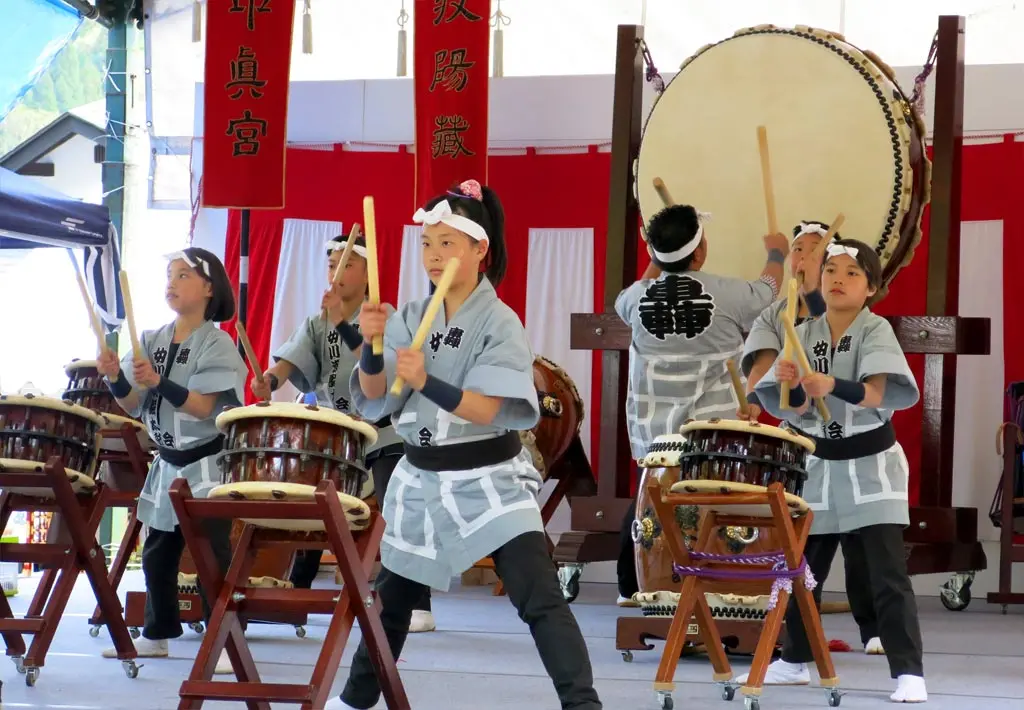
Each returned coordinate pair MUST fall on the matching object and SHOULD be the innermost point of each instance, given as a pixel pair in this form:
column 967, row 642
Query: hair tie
column 469, row 188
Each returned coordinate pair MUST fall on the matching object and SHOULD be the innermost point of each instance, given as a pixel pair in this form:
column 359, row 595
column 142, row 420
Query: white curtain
column 301, row 280
column 413, row 283
column 560, row 281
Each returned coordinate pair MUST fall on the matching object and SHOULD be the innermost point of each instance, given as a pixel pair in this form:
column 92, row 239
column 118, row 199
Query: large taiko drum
column 39, row 428
column 561, row 414
column 716, row 450
column 842, row 136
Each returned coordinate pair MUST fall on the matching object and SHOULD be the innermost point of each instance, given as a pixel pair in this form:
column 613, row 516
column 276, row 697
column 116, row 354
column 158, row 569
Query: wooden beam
column 620, row 263
column 938, row 420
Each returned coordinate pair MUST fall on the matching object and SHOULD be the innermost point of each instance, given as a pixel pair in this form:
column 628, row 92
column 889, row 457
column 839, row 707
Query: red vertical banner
column 245, row 96
column 452, row 45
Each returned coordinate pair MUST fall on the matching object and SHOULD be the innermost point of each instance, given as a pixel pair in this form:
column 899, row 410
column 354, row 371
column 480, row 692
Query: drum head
column 841, row 137
column 300, row 412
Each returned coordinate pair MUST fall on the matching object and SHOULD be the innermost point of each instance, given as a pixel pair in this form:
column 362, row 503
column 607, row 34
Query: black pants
column 161, row 558
column 530, row 578
column 881, row 548
column 626, row 566
column 307, row 562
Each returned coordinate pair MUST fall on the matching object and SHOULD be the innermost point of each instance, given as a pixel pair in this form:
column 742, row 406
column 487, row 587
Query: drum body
column 842, row 138
column 86, row 388
column 561, row 414
column 38, row 428
column 296, row 444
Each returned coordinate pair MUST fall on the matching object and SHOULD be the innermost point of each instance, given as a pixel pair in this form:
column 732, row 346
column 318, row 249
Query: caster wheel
column 956, row 593
column 728, row 692
column 569, row 580
column 665, row 701
column 197, row 626
column 134, row 632
column 751, row 703
column 130, row 669
column 94, row 631
column 19, row 663
column 627, row 656
column 31, row 676
column 834, row 698
column 300, row 631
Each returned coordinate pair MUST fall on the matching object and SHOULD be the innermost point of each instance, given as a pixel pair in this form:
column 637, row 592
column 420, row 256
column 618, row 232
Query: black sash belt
column 866, row 443
column 184, row 457
column 462, row 457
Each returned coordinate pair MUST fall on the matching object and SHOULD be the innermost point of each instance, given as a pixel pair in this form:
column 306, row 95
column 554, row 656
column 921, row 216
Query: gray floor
column 483, row 658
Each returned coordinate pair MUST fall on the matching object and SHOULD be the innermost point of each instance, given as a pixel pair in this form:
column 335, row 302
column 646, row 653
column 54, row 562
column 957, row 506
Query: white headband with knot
column 838, row 249
column 811, row 228
column 196, row 263
column 334, row 245
column 688, row 248
column 442, row 213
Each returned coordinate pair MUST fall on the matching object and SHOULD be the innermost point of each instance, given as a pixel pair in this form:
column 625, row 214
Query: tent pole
column 243, row 274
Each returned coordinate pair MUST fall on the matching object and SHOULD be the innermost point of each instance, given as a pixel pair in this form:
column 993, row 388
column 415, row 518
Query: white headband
column 668, row 257
column 194, row 263
column 810, row 228
column 837, row 249
column 442, row 213
column 333, row 246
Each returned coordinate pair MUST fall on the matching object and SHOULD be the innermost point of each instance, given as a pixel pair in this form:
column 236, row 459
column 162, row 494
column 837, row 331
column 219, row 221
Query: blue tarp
column 33, row 215
column 34, row 32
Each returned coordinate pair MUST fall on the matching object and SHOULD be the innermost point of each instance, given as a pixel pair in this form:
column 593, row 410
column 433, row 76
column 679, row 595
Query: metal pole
column 243, row 273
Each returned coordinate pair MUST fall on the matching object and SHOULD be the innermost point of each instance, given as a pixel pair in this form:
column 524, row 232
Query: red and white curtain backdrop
column 328, row 186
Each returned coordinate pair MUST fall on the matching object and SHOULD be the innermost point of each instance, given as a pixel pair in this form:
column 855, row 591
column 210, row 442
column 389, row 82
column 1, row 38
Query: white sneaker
column 874, row 647
column 145, row 648
column 782, row 673
column 627, row 602
column 336, row 704
column 422, row 621
column 910, row 689
column 223, row 666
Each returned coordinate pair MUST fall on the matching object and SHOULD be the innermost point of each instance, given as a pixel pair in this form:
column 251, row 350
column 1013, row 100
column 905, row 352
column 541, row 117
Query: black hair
column 866, row 259
column 221, row 306
column 488, row 213
column 670, row 229
column 814, row 222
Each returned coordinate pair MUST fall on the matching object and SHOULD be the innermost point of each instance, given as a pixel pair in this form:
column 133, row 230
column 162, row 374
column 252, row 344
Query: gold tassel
column 403, row 41
column 197, row 21
column 499, row 51
column 307, row 29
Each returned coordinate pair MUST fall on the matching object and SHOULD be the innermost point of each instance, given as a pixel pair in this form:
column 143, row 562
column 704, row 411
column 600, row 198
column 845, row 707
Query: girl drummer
column 857, row 478
column 318, row 358
column 191, row 372
column 762, row 346
column 465, row 489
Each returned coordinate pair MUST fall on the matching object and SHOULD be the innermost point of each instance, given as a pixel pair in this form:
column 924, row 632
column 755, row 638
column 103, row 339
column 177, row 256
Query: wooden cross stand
column 355, row 545
column 80, row 503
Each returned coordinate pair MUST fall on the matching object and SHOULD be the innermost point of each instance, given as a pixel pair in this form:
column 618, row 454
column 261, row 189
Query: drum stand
column 232, row 600
column 73, row 549
column 747, row 506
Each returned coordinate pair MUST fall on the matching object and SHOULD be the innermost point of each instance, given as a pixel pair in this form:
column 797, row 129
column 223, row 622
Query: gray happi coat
column 440, row 523
column 207, row 362
column 322, row 365
column 848, row 495
column 767, row 333
column 686, row 326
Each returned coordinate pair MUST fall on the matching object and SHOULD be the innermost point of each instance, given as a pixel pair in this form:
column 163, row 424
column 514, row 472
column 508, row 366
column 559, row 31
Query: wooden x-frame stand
column 231, row 599
column 792, row 528
column 72, row 549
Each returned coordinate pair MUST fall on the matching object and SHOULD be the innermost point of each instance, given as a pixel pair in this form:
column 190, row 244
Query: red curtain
column 571, row 190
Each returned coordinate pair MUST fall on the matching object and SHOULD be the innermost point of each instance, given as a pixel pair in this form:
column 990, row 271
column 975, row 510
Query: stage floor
column 483, row 657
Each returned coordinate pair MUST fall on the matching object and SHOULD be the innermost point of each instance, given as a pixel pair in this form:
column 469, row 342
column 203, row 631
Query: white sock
column 145, row 648
column 783, row 673
column 335, row 703
column 910, row 689
column 874, row 647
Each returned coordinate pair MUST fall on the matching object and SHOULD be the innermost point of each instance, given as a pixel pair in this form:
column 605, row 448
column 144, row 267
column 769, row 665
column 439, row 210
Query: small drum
column 561, row 414
column 38, row 428
column 282, row 450
column 86, row 388
column 807, row 87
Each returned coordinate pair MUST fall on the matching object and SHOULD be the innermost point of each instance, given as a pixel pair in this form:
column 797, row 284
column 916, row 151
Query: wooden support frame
column 793, row 533
column 69, row 554
column 1010, row 552
column 231, row 600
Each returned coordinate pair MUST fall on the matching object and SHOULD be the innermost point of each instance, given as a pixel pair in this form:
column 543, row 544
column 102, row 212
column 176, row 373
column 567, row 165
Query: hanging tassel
column 499, row 20
column 403, row 41
column 197, row 21
column 307, row 29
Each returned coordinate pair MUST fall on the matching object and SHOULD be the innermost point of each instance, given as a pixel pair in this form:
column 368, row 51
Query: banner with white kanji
column 245, row 117
column 452, row 55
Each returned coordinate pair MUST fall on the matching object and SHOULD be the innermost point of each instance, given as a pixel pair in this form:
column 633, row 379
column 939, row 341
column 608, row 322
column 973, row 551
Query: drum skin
column 561, row 410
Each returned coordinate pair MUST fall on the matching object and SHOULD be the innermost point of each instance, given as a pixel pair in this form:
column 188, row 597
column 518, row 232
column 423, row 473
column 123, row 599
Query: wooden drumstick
column 787, row 348
column 737, row 387
column 129, row 316
column 250, row 354
column 766, row 180
column 798, row 349
column 370, row 222
column 436, row 301
column 343, row 261
column 659, row 187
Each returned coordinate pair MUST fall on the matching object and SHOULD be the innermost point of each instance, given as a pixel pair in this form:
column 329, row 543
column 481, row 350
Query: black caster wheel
column 134, row 632
column 665, row 701
column 572, row 589
column 300, row 631
column 130, row 669
column 728, row 692
column 94, row 631
column 31, row 676
column 627, row 656
column 834, row 698
column 751, row 703
column 954, row 601
column 197, row 626
column 569, row 581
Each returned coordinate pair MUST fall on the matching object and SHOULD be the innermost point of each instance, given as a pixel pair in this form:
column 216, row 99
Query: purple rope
column 782, row 575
